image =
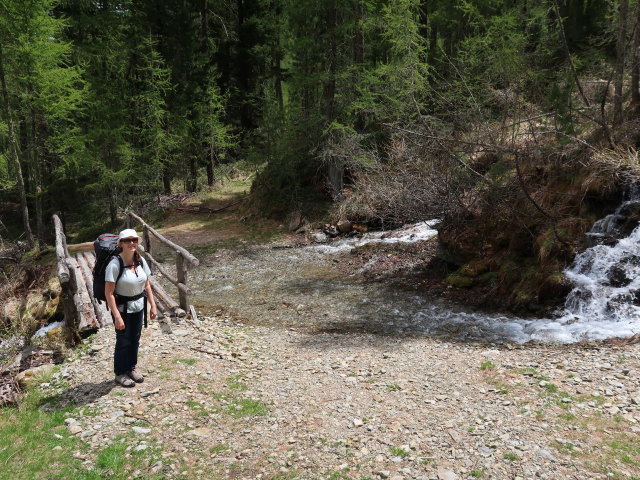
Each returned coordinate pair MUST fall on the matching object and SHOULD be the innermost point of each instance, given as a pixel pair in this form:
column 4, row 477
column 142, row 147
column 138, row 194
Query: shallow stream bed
column 303, row 287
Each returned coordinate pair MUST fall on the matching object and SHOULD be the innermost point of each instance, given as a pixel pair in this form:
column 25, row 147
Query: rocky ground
column 226, row 400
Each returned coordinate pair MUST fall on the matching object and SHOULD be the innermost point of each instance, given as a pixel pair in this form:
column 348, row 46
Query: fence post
column 146, row 239
column 181, row 273
column 127, row 220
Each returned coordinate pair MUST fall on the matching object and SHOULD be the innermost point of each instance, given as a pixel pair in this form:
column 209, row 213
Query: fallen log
column 103, row 316
column 63, row 269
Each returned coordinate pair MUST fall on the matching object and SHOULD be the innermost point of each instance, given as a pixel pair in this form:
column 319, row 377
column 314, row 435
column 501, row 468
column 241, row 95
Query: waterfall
column 606, row 276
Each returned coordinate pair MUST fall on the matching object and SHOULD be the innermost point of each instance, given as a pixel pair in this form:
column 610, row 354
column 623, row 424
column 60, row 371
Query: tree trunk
column 329, row 90
column 211, row 174
column 192, row 183
column 113, row 207
column 358, row 59
column 13, row 153
column 166, row 181
column 37, row 174
column 635, row 69
column 620, row 57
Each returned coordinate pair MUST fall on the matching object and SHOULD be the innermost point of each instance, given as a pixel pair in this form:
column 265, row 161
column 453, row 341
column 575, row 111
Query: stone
column 358, row 423
column 10, row 310
column 150, row 392
column 34, row 375
column 141, row 430
column 444, row 474
column 344, row 226
column 384, row 473
column 75, row 428
column 294, row 222
column 319, row 238
column 546, row 455
column 201, row 432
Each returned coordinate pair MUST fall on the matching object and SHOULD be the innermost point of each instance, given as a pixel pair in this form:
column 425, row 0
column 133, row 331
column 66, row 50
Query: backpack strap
column 120, row 266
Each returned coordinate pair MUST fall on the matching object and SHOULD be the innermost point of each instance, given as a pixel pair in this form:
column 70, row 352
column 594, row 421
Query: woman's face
column 129, row 244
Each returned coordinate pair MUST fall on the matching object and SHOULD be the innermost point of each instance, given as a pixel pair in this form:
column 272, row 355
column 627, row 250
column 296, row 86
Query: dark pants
column 125, row 356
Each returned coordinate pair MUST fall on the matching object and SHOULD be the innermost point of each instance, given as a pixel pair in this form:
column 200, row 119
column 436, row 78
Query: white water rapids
column 594, row 310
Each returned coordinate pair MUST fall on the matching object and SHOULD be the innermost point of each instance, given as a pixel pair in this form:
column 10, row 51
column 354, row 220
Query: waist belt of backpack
column 122, row 300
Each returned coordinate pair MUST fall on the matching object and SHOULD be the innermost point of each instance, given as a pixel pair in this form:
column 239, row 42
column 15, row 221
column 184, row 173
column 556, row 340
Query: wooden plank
column 163, row 310
column 187, row 256
column 103, row 316
column 85, row 314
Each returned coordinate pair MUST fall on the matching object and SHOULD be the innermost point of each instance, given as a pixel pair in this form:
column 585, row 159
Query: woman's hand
column 119, row 323
column 154, row 313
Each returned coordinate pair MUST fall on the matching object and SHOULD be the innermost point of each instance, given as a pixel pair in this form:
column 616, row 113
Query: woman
column 127, row 291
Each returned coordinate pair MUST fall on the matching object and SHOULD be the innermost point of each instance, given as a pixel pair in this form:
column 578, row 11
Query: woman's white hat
column 127, row 233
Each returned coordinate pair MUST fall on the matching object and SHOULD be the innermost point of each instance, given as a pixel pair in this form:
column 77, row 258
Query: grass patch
column 219, row 448
column 477, row 473
column 246, row 407
column 235, row 383
column 392, row 387
column 527, row 371
column 35, row 444
column 487, row 365
column 512, row 457
column 186, row 361
column 399, row 452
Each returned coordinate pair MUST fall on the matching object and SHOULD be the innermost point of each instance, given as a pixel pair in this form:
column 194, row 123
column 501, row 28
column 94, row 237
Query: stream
column 302, row 288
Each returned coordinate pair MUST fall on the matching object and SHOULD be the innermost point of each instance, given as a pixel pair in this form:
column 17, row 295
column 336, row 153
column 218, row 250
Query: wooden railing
column 184, row 261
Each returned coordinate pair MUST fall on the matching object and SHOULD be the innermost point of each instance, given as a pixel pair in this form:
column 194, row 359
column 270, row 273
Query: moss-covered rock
column 474, row 268
column 553, row 288
column 459, row 281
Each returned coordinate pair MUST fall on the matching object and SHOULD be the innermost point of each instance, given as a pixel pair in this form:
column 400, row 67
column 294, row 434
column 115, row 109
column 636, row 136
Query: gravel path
column 229, row 401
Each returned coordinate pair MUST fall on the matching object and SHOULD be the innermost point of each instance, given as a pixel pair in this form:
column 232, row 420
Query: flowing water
column 302, row 287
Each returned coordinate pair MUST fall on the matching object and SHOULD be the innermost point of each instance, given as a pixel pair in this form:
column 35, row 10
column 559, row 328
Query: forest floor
column 234, row 396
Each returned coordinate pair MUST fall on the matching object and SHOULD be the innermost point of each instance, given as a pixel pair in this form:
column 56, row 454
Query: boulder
column 34, row 308
column 294, row 221
column 474, row 268
column 54, row 289
column 10, row 310
column 34, row 375
column 319, row 238
column 344, row 226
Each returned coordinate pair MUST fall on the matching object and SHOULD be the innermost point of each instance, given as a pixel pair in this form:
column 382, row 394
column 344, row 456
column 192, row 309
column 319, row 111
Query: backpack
column 105, row 248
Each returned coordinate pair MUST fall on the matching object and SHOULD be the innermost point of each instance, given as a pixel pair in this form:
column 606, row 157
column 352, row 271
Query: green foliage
column 487, row 365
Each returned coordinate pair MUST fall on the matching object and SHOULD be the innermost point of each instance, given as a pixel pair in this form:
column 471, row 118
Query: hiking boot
column 136, row 376
column 124, row 381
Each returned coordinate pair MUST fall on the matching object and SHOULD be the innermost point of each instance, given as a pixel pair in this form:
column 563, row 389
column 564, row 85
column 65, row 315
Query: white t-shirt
column 130, row 283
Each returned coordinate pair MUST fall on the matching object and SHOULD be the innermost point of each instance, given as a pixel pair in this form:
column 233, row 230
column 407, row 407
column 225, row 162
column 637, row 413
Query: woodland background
column 391, row 110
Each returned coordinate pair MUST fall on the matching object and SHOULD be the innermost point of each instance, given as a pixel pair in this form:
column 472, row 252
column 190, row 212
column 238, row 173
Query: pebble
column 444, row 474
column 141, row 430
